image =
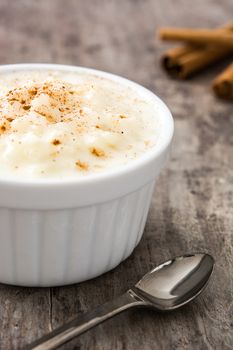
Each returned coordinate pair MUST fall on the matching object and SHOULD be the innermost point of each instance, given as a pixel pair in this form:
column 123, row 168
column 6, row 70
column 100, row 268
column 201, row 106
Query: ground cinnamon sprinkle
column 56, row 142
column 103, row 127
column 33, row 91
column 4, row 126
column 49, row 118
column 82, row 165
column 97, row 152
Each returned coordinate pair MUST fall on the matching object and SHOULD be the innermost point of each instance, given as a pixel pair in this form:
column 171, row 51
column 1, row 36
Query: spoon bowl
column 175, row 282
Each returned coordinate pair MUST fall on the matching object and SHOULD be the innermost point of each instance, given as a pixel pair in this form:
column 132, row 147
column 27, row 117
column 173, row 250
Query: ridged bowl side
column 57, row 247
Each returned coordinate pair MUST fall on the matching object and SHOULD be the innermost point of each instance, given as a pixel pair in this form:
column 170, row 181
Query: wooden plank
column 24, row 315
column 192, row 204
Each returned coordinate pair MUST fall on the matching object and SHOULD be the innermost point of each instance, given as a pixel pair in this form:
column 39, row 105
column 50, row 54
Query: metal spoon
column 167, row 287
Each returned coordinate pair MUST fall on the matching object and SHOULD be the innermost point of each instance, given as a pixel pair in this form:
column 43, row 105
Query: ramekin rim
column 133, row 165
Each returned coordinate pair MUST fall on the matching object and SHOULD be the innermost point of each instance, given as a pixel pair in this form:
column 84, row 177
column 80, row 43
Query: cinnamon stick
column 197, row 36
column 192, row 62
column 170, row 57
column 223, row 84
column 184, row 61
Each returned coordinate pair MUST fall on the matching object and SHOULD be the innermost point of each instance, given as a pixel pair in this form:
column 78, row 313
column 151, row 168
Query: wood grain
column 192, row 204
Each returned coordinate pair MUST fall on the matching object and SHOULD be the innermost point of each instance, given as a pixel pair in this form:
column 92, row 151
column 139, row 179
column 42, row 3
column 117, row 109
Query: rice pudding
column 62, row 124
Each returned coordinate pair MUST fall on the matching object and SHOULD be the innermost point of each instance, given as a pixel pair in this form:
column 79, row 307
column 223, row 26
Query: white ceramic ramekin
column 61, row 232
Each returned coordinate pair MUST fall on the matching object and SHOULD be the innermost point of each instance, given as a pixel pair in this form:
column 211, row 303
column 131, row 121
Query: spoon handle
column 84, row 322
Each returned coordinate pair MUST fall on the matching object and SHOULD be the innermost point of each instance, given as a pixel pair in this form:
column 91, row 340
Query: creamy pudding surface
column 63, row 124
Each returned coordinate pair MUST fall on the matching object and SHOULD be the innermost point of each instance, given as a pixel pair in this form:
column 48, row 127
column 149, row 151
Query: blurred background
column 112, row 35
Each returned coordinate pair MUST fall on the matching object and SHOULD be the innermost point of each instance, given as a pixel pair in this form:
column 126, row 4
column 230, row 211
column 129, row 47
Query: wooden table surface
column 192, row 207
